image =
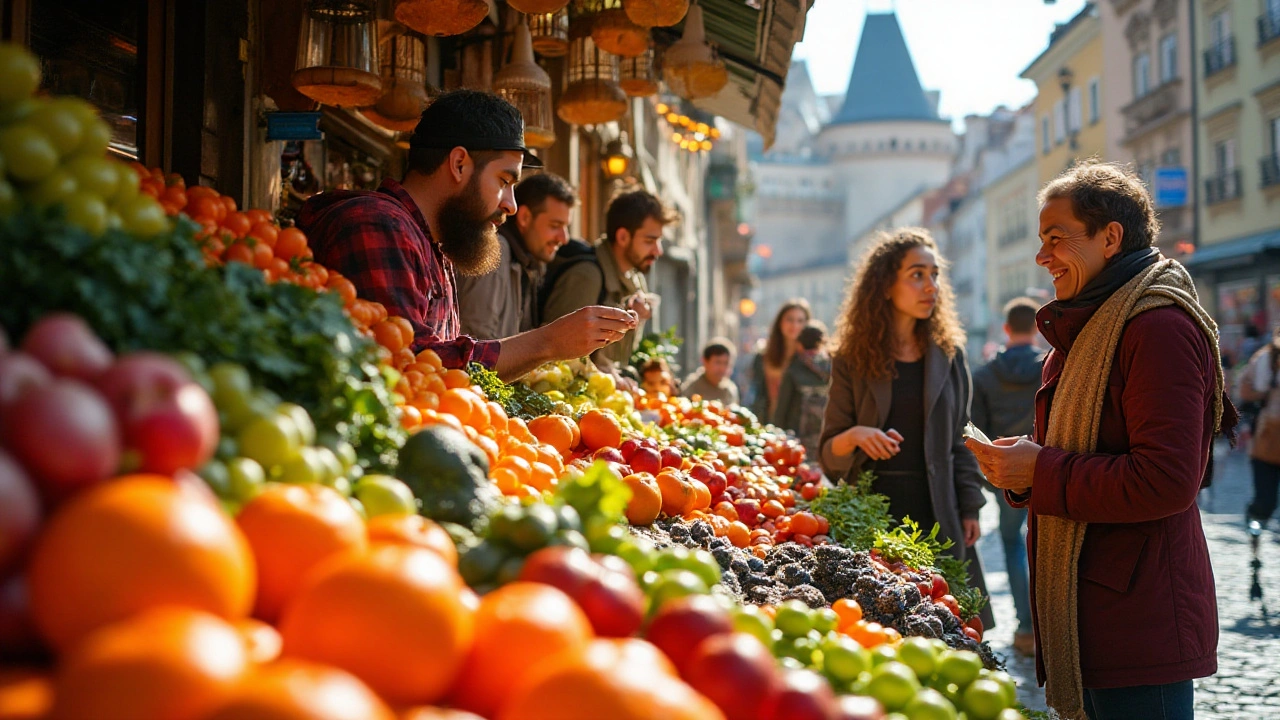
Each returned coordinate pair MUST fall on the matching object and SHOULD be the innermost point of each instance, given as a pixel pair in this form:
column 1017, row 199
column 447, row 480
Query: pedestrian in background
column 802, row 397
column 1004, row 405
column 656, row 378
column 768, row 366
column 1257, row 386
column 712, row 381
column 900, row 394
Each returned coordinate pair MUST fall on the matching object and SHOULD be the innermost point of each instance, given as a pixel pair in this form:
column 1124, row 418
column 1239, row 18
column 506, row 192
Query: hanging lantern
column 638, row 76
column 691, row 67
column 523, row 84
column 537, row 7
column 441, row 17
column 616, row 160
column 656, row 13
column 338, row 53
column 614, row 32
column 404, row 84
column 591, row 94
column 550, row 32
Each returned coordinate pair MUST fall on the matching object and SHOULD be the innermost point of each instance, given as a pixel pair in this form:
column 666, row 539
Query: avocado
column 449, row 475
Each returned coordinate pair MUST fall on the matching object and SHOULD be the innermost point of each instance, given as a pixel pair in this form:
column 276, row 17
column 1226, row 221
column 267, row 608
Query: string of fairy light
column 689, row 134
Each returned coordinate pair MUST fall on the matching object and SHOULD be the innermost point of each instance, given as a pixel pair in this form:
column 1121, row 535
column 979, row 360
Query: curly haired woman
column 900, row 393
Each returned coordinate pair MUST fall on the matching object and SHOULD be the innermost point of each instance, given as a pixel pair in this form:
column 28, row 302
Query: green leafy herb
column 654, row 346
column 956, row 571
column 908, row 544
column 517, row 399
column 857, row 515
column 598, row 495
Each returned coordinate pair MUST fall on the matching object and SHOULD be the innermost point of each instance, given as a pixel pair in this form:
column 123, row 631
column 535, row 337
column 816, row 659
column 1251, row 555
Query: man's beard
column 468, row 235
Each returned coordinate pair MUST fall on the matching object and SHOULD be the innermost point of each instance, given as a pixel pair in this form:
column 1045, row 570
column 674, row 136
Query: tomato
column 239, row 252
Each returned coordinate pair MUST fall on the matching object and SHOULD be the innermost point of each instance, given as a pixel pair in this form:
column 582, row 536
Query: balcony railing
column 1268, row 28
column 1156, row 104
column 1220, row 57
column 1270, row 170
column 1222, row 187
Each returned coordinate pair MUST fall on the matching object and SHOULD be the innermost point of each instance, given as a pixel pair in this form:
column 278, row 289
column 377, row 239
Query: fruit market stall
column 229, row 489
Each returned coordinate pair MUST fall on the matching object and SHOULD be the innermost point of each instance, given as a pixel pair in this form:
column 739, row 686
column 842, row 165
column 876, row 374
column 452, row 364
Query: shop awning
column 1240, row 251
column 755, row 39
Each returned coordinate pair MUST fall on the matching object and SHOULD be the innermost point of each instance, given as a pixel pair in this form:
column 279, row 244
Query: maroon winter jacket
column 1147, row 613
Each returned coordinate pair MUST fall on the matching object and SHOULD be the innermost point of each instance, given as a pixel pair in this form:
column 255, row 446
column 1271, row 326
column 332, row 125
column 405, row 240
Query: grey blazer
column 955, row 481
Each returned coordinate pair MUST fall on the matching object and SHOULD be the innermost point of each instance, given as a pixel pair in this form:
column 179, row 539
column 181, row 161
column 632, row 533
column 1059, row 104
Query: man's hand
column 972, row 530
column 588, row 329
column 639, row 304
column 1008, row 463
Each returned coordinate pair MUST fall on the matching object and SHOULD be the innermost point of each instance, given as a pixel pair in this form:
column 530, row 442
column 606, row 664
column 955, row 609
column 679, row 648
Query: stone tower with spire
column 831, row 183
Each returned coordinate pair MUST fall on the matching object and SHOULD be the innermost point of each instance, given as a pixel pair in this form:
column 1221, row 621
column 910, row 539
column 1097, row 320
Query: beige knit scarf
column 1073, row 426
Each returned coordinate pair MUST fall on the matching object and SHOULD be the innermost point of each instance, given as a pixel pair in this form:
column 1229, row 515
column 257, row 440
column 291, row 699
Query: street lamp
column 617, row 158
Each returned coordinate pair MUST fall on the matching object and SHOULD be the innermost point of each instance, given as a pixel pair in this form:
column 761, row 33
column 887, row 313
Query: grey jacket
column 579, row 286
column 1004, row 392
column 955, row 482
column 504, row 302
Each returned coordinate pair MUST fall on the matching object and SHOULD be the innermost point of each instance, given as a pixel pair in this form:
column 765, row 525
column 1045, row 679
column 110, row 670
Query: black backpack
column 570, row 254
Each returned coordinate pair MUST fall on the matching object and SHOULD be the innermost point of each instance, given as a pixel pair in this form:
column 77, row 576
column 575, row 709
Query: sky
column 971, row 50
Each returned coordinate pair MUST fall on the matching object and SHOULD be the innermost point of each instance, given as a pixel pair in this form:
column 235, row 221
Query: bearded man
column 402, row 244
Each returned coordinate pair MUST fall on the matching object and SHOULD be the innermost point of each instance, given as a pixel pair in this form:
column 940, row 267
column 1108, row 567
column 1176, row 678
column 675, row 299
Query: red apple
column 736, row 672
column 805, row 695
column 683, row 623
column 613, row 563
column 67, row 346
column 614, row 604
column 568, row 568
column 860, row 707
column 646, row 460
column 140, row 373
column 19, row 513
column 949, row 602
column 609, row 454
column 628, row 448
column 748, row 510
column 64, row 434
column 975, row 622
column 650, row 443
column 715, row 482
column 169, row 421
column 19, row 371
column 701, row 471
column 939, row 587
column 671, row 457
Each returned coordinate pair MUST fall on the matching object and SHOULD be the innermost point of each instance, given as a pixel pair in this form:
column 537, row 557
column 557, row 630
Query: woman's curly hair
column 864, row 332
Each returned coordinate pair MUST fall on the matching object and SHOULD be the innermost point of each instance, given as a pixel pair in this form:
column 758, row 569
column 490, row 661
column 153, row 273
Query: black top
column 903, row 477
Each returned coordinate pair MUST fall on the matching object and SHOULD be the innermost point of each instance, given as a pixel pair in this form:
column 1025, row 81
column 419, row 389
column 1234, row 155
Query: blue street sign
column 1171, row 187
column 294, row 126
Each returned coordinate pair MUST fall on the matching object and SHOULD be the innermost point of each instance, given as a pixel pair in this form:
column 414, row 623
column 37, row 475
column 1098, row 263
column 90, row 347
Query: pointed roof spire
column 884, row 84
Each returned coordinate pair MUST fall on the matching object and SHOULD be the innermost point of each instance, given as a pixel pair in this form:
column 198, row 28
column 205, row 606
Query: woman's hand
column 972, row 530
column 1008, row 463
column 876, row 443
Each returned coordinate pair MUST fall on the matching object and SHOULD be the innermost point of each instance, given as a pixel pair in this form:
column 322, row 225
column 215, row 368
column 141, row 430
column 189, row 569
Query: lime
column 56, row 187
column 269, row 440
column 216, row 476
column 94, row 175
column 675, row 556
column 672, row 584
column 127, row 182
column 246, row 478
column 302, row 419
column 843, row 659
column 918, row 654
column 229, row 381
column 567, row 518
column 343, row 486
column 704, row 565
column 825, row 620
column 534, row 529
column 61, row 125
column 86, row 212
column 479, row 563
column 882, row 654
column 509, row 570
column 303, row 468
column 793, row 618
column 893, row 684
column 1010, row 714
column 1006, row 681
column 97, row 136
column 19, row 73
column 385, row 495
column 638, row 553
column 983, row 699
column 333, row 467
column 801, row 648
column 607, row 540
column 959, row 666
column 929, row 704
column 751, row 619
column 28, row 154
column 8, row 197
column 142, row 216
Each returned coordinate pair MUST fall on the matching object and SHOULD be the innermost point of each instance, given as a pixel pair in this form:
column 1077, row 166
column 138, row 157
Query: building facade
column 1237, row 262
column 1151, row 122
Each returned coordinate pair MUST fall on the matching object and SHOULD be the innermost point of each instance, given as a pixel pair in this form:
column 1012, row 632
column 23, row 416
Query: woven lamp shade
column 523, row 84
column 550, row 33
column 537, row 7
column 591, row 95
column 441, row 17
column 615, row 33
column 638, row 76
column 691, row 67
column 337, row 61
column 404, row 84
column 656, row 13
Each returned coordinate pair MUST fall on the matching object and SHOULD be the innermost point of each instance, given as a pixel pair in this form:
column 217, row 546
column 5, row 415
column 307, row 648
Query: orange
column 413, row 530
column 24, row 694
column 261, row 641
column 519, row 627
column 678, row 495
column 508, row 482
column 542, row 477
column 520, row 431
column 600, row 428
column 291, row 243
column 296, row 690
column 425, row 712
column 132, row 544
column 554, row 430
column 388, row 335
column 524, row 451
column 457, row 402
column 607, row 679
column 867, row 634
column 738, row 533
column 551, row 458
column 170, row 662
column 701, row 495
column 398, row 618
column 646, row 499
column 455, row 378
column 848, row 609
column 292, row 529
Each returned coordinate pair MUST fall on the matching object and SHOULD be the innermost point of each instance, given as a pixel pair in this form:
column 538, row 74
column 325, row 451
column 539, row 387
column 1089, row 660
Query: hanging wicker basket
column 638, row 76
column 337, row 59
column 550, row 33
column 615, row 33
column 591, row 95
column 537, row 7
column 404, row 84
column 523, row 84
column 691, row 67
column 656, row 13
column 441, row 17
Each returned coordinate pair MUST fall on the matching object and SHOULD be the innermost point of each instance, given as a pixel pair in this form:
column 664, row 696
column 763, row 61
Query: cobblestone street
column 1248, row 681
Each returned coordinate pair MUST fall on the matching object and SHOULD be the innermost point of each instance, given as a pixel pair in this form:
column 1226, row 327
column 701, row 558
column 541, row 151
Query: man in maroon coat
column 1145, row 609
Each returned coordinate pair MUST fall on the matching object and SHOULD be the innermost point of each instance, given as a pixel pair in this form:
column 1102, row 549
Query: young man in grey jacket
column 1004, row 393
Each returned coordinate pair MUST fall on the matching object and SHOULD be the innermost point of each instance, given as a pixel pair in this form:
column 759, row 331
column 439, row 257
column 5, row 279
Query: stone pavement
column 1247, row 684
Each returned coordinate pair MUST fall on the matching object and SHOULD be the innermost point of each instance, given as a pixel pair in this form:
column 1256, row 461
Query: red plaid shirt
column 380, row 241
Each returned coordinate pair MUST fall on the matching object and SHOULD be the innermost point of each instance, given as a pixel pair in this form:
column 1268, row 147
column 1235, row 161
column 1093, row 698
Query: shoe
column 1024, row 643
